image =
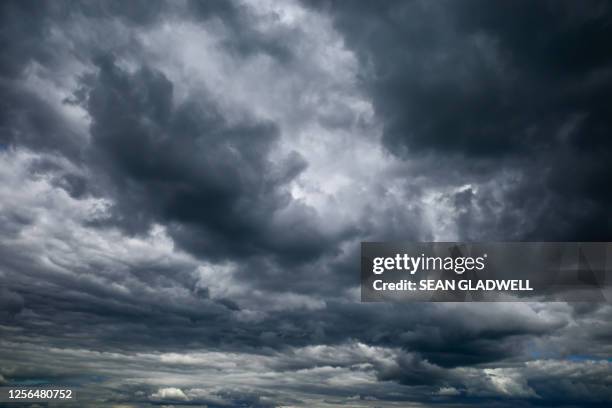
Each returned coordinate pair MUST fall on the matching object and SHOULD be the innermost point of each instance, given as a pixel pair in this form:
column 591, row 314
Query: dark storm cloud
column 23, row 28
column 190, row 167
column 486, row 81
column 212, row 179
column 26, row 120
column 152, row 248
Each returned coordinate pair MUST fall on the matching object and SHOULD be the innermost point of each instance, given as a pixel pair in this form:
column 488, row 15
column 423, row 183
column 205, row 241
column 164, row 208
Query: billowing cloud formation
column 479, row 84
column 184, row 186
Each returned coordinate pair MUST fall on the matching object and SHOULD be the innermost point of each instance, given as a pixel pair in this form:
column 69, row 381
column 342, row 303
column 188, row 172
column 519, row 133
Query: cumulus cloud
column 169, row 394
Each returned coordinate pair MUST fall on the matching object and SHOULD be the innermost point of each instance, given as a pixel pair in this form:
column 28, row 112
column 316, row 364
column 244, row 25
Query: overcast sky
column 184, row 187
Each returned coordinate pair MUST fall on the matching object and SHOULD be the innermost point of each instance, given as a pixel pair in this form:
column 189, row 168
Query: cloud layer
column 184, row 187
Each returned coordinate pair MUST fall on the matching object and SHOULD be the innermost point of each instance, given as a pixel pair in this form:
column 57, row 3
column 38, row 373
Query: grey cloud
column 159, row 233
column 210, row 179
column 11, row 303
column 464, row 81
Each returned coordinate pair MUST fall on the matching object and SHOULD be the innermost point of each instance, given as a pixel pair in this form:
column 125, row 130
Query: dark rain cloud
column 522, row 85
column 188, row 166
column 501, row 106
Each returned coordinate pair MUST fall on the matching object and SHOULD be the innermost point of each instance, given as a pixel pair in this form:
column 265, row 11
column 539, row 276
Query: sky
column 184, row 187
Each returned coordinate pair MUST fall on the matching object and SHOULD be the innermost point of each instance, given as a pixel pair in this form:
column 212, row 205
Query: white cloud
column 169, row 393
